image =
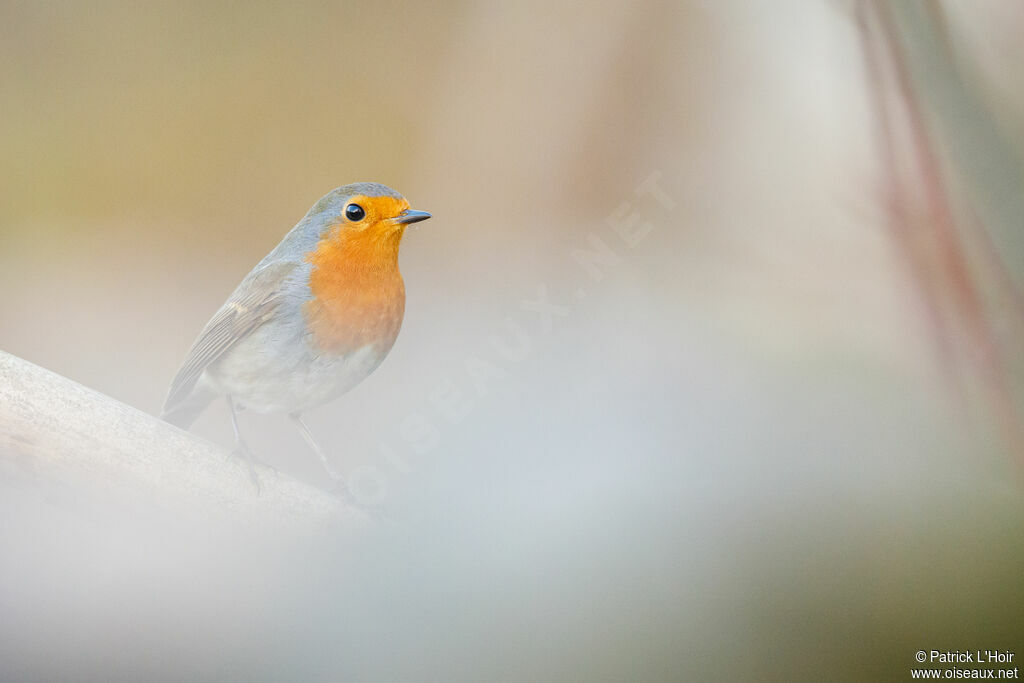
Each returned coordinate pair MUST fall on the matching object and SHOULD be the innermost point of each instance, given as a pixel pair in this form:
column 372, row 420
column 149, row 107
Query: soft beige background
column 738, row 453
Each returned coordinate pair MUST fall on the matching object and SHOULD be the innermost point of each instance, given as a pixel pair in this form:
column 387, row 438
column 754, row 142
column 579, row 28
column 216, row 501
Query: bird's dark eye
column 354, row 213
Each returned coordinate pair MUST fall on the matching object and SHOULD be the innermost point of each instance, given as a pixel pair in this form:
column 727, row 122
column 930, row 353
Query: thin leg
column 241, row 449
column 308, row 436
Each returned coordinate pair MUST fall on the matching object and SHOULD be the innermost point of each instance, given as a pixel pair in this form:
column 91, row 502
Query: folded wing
column 254, row 302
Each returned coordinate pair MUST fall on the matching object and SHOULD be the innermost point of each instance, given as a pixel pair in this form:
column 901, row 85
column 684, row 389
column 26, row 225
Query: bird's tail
column 183, row 413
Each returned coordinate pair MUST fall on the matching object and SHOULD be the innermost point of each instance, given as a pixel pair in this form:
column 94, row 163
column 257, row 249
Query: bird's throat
column 358, row 294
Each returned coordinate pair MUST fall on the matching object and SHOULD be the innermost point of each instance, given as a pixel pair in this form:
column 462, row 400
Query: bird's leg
column 308, row 436
column 241, row 448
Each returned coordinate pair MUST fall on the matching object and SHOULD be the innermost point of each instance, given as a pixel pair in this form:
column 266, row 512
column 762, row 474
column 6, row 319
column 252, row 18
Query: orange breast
column 358, row 293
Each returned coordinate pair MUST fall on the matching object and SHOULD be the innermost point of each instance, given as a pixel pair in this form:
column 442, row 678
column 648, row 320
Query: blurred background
column 712, row 361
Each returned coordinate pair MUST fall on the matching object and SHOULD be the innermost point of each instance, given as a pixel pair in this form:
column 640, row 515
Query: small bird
column 312, row 320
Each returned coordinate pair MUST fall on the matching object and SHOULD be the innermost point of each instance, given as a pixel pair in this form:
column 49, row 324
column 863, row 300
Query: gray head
column 365, row 207
column 335, row 201
column 353, row 213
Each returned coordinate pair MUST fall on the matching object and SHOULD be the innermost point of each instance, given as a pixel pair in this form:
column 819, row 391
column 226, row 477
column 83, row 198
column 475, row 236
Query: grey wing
column 251, row 305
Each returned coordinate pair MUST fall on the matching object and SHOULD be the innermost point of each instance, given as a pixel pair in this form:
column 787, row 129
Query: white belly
column 288, row 378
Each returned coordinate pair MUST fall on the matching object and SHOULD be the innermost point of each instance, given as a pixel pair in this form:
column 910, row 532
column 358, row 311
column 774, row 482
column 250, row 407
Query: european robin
column 312, row 320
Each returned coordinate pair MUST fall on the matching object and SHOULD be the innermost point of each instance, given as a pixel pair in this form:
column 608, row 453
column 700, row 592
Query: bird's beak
column 409, row 216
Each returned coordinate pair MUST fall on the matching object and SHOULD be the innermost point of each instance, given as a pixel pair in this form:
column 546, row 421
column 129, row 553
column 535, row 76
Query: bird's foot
column 242, row 452
column 340, row 490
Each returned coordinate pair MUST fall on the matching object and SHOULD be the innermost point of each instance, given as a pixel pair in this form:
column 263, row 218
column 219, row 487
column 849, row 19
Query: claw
column 308, row 436
column 244, row 454
column 341, row 490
